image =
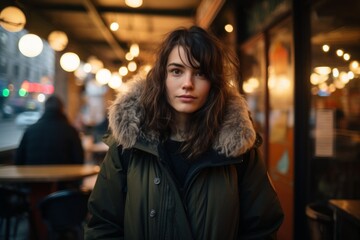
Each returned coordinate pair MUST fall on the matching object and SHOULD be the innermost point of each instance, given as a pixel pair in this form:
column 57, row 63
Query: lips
column 186, row 98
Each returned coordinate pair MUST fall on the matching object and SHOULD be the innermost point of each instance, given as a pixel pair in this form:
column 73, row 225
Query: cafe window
column 335, row 106
column 253, row 69
column 22, row 84
column 3, row 65
column 280, row 84
column 16, row 70
column 268, row 84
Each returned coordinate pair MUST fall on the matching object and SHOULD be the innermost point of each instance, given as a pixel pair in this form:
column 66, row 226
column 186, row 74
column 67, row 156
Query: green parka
column 228, row 195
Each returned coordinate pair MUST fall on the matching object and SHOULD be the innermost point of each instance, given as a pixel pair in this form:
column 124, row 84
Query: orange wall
column 282, row 174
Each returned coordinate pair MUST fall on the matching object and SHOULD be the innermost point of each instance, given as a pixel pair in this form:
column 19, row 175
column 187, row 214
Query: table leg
column 38, row 192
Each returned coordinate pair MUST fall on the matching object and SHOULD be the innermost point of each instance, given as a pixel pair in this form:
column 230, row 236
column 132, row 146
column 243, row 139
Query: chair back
column 320, row 221
column 13, row 205
column 64, row 213
column 13, row 202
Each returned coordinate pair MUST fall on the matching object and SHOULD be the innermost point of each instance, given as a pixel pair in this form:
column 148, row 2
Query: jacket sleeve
column 261, row 214
column 107, row 200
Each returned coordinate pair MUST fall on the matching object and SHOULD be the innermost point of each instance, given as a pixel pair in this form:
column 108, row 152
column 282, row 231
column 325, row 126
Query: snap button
column 152, row 213
column 157, row 181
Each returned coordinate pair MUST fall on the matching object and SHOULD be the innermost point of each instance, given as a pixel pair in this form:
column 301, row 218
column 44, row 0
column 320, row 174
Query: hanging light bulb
column 12, row 19
column 229, row 28
column 134, row 49
column 58, row 40
column 129, row 56
column 114, row 26
column 103, row 76
column 134, row 3
column 30, row 45
column 123, row 71
column 69, row 61
column 132, row 66
column 115, row 81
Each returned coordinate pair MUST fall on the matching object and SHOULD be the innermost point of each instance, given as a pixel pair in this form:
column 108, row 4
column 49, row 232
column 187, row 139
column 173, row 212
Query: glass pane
column 24, row 84
column 281, row 119
column 335, row 109
column 254, row 72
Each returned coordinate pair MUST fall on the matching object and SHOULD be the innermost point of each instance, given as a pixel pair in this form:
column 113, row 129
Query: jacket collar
column 235, row 137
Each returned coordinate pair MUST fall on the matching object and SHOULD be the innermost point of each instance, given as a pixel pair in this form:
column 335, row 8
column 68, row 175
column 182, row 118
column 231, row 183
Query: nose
column 188, row 81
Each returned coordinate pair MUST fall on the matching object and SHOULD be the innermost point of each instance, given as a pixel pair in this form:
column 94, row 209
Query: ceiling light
column 322, row 70
column 344, row 77
column 325, row 48
column 12, row 19
column 69, row 61
column 351, row 75
column 339, row 52
column 30, row 45
column 355, row 67
column 123, row 71
column 229, row 28
column 103, row 76
column 129, row 56
column 134, row 3
column 134, row 49
column 114, row 26
column 58, row 40
column 132, row 66
column 115, row 81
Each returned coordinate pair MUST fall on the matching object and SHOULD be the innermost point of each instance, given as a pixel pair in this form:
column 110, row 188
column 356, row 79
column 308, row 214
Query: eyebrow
column 176, row 65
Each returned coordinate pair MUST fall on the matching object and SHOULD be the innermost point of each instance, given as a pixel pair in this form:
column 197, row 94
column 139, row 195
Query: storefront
column 301, row 76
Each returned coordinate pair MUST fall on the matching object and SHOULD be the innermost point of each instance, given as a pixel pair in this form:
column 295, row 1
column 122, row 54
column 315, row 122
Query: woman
column 183, row 160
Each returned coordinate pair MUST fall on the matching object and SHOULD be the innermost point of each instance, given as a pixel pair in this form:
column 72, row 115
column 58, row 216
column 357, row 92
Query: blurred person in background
column 51, row 140
column 184, row 161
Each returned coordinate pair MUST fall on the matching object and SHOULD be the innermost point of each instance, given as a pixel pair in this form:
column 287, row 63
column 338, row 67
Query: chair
column 320, row 221
column 13, row 206
column 64, row 213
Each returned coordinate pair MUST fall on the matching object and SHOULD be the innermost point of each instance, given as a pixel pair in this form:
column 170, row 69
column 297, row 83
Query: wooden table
column 42, row 180
column 46, row 173
column 347, row 218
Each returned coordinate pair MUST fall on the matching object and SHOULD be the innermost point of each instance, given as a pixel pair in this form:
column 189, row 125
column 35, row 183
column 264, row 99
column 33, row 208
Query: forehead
column 180, row 56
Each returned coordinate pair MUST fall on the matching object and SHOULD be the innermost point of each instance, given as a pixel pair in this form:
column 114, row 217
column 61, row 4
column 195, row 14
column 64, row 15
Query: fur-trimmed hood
column 236, row 134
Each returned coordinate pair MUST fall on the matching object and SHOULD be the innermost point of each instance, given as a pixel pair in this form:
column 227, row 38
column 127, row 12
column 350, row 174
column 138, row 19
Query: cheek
column 168, row 88
column 168, row 92
column 205, row 89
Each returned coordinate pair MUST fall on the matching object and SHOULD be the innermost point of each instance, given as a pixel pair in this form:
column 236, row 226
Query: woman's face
column 187, row 88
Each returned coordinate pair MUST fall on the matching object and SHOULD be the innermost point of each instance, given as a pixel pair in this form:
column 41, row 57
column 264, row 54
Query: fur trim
column 236, row 135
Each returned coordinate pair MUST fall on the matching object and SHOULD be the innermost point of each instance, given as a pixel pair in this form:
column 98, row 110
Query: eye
column 175, row 71
column 199, row 74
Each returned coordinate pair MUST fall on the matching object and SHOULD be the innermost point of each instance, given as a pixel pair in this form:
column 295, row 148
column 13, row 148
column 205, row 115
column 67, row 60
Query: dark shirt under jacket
column 178, row 164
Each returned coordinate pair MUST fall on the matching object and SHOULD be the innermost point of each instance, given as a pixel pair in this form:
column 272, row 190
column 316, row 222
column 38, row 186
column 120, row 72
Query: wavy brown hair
column 220, row 66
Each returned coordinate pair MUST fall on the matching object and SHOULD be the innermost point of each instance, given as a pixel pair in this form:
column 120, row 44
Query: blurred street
column 10, row 134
